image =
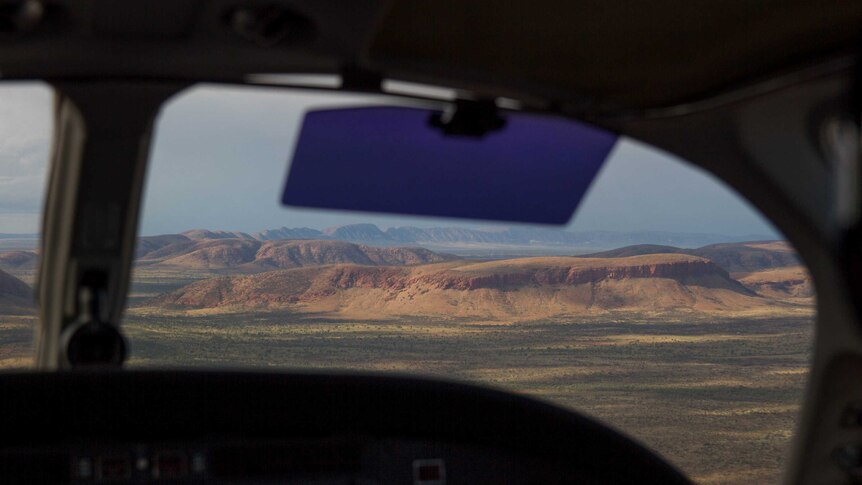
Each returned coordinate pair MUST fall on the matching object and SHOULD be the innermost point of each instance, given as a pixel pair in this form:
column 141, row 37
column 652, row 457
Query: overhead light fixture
column 403, row 88
column 326, row 81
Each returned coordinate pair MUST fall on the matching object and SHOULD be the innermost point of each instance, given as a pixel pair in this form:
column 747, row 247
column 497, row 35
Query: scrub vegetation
column 716, row 396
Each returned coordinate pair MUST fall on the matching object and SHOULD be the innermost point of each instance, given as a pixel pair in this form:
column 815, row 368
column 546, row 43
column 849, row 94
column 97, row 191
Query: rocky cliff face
column 692, row 269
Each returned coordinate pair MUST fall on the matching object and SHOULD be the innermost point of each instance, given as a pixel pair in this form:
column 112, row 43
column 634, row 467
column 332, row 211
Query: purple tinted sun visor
column 398, row 160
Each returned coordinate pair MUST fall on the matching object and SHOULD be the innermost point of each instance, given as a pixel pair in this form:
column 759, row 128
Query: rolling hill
column 18, row 260
column 14, row 293
column 784, row 283
column 734, row 257
column 252, row 255
column 149, row 244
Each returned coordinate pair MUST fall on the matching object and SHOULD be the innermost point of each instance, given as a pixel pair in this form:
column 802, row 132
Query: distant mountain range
column 464, row 240
column 505, row 241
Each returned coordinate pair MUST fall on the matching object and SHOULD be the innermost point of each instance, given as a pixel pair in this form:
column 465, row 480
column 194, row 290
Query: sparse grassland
column 717, row 396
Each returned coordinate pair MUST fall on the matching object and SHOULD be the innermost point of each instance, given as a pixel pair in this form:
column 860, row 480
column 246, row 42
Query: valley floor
column 717, row 396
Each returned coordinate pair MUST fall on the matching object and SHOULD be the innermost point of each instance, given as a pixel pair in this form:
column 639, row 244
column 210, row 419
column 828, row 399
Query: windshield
column 667, row 307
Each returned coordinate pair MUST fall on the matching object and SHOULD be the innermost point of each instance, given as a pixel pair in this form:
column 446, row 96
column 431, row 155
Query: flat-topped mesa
column 500, row 275
column 570, row 284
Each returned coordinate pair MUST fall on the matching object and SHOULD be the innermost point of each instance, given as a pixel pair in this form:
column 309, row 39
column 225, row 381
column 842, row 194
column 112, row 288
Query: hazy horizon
column 477, row 227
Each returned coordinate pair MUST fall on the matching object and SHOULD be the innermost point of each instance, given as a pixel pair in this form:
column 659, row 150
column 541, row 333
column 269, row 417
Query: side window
column 25, row 141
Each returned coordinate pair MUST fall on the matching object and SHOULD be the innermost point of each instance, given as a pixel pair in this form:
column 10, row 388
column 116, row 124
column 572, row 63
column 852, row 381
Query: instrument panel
column 179, row 426
column 325, row 461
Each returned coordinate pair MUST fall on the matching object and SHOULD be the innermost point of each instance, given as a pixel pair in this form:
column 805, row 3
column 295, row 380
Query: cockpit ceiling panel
column 616, row 54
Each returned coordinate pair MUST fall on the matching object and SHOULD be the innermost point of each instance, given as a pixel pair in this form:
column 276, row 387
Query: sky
column 25, row 139
column 221, row 156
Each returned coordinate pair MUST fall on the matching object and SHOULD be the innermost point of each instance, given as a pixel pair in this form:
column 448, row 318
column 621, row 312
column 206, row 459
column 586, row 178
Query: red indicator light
column 429, row 472
column 113, row 468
